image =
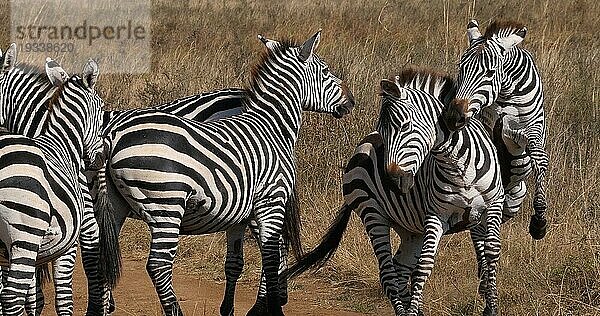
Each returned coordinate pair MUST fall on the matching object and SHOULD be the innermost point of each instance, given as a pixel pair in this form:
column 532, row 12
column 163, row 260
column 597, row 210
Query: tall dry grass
column 201, row 45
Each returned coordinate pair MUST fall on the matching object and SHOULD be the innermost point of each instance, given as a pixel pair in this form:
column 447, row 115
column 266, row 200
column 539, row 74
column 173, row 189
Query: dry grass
column 211, row 45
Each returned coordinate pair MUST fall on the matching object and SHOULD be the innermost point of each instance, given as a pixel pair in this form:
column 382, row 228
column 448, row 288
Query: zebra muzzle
column 456, row 115
column 403, row 179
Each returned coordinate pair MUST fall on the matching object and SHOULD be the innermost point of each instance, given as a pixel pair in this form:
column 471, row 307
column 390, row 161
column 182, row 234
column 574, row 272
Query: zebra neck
column 64, row 133
column 25, row 102
column 278, row 112
column 520, row 76
column 449, row 146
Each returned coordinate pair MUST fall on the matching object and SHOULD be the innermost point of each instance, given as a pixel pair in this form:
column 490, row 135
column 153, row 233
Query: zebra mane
column 53, row 101
column 440, row 85
column 502, row 28
column 36, row 73
column 267, row 55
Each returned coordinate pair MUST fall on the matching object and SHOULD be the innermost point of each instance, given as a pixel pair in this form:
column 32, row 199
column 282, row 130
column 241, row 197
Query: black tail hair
column 326, row 248
column 292, row 225
column 42, row 274
column 110, row 252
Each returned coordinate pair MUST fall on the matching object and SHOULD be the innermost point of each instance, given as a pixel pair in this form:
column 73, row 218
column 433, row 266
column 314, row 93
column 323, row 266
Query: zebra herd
column 447, row 156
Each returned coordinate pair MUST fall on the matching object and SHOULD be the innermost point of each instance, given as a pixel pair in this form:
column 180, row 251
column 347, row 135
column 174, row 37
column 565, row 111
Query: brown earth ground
column 135, row 295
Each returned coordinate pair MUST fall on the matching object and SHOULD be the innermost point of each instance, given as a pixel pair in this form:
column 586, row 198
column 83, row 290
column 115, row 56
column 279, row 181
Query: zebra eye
column 325, row 71
column 405, row 127
column 490, row 73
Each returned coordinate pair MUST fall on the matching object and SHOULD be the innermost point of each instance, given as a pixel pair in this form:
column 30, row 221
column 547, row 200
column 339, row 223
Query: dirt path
column 135, row 295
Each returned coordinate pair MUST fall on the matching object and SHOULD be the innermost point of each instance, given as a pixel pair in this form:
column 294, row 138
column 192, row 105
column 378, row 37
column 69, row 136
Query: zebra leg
column 19, row 277
column 478, row 234
column 538, row 222
column 261, row 298
column 89, row 244
column 270, row 218
column 405, row 261
column 234, row 264
column 379, row 234
column 492, row 254
column 63, row 269
column 2, row 269
column 513, row 199
column 433, row 234
column 34, row 302
column 165, row 238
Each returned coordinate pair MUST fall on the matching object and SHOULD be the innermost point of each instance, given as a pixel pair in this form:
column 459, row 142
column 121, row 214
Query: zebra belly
column 462, row 209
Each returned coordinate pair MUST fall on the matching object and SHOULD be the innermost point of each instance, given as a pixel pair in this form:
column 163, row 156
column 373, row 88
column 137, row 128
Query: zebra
column 203, row 107
column 211, row 106
column 420, row 179
column 41, row 202
column 25, row 98
column 206, row 106
column 495, row 72
column 216, row 176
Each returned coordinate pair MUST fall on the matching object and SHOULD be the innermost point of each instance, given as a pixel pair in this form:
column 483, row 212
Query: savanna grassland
column 206, row 45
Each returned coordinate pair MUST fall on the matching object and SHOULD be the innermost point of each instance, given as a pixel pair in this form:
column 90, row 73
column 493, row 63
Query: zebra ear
column 271, row 44
column 90, row 74
column 10, row 58
column 514, row 39
column 309, row 46
column 473, row 32
column 390, row 88
column 55, row 73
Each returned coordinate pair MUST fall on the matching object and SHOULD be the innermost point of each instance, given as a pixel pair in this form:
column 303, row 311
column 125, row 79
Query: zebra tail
column 292, row 225
column 110, row 253
column 42, row 274
column 326, row 248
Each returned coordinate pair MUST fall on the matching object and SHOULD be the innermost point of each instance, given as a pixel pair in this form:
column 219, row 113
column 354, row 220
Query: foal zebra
column 41, row 201
column 420, row 179
column 183, row 177
column 495, row 72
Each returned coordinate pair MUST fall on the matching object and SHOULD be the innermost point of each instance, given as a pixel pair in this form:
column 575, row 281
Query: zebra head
column 78, row 94
column 481, row 72
column 407, row 136
column 320, row 90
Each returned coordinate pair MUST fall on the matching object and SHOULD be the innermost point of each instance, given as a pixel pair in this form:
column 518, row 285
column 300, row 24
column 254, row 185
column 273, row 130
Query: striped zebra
column 25, row 98
column 203, row 107
column 41, row 201
column 422, row 180
column 184, row 177
column 495, row 72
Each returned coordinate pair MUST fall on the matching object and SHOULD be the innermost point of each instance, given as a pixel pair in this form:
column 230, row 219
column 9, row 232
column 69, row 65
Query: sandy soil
column 135, row 295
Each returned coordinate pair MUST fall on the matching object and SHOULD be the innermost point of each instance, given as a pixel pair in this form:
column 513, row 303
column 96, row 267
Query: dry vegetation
column 206, row 45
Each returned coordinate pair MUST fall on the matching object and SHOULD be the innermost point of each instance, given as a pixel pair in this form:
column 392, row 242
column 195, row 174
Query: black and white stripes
column 421, row 180
column 495, row 72
column 182, row 177
column 41, row 203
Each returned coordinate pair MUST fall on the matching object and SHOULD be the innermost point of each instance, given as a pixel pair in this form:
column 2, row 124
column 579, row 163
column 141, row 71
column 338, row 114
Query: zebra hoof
column 537, row 227
column 174, row 310
column 111, row 305
column 226, row 311
column 257, row 310
column 489, row 311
